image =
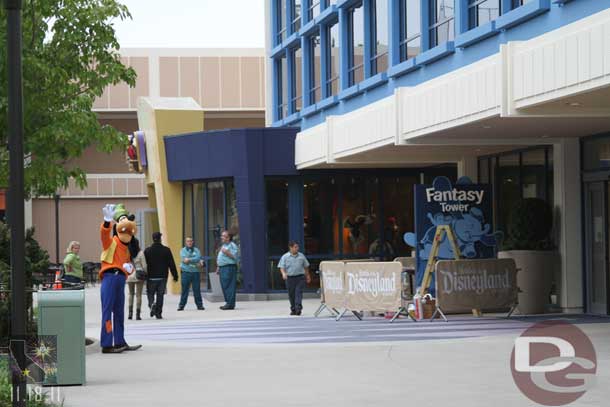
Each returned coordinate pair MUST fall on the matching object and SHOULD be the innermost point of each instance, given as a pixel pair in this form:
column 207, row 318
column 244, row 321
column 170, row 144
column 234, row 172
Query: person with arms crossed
column 227, row 268
column 190, row 261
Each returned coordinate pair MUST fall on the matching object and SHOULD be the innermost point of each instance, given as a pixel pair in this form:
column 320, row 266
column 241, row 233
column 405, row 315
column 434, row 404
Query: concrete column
column 467, row 167
column 568, row 227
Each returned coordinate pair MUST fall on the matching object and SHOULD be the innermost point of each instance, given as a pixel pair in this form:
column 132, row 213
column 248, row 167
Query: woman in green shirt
column 73, row 268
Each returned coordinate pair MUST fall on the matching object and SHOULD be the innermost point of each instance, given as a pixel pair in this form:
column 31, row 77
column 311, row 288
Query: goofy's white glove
column 108, row 212
column 128, row 267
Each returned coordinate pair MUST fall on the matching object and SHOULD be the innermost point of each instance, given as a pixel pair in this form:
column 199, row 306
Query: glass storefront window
column 509, row 186
column 596, row 154
column 360, row 219
column 320, row 220
column 533, row 173
column 484, row 171
column 516, row 175
column 187, row 202
column 277, row 216
column 397, row 197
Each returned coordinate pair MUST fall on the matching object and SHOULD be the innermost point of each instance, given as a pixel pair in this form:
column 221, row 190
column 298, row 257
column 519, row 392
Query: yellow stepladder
column 438, row 236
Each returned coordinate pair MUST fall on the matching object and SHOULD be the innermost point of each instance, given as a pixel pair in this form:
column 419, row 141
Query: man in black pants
column 159, row 260
column 295, row 271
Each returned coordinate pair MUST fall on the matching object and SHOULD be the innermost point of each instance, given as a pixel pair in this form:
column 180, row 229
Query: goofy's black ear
column 131, row 217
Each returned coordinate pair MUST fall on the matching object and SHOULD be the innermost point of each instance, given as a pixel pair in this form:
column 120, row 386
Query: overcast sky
column 193, row 23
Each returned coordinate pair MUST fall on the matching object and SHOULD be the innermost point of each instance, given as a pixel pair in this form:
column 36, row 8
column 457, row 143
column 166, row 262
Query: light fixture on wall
column 574, row 104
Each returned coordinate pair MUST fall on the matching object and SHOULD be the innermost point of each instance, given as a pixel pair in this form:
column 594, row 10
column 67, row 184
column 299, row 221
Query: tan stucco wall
column 79, row 220
column 233, row 123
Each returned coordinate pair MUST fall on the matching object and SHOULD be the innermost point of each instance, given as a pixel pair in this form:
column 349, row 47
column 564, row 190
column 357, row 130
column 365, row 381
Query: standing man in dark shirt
column 159, row 260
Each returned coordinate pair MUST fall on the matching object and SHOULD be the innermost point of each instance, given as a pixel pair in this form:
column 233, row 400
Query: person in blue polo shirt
column 295, row 271
column 190, row 261
column 228, row 257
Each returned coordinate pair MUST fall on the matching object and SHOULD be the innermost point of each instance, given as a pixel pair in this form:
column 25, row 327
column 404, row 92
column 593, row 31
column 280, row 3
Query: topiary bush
column 529, row 226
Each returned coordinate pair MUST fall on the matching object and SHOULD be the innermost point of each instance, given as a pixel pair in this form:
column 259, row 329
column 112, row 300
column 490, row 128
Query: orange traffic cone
column 57, row 285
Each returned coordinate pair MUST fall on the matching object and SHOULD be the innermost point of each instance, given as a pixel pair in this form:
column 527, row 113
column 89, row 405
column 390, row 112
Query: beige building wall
column 79, row 220
column 228, row 83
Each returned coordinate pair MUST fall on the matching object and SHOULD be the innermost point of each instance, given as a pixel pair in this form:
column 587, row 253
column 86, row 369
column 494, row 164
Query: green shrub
column 529, row 226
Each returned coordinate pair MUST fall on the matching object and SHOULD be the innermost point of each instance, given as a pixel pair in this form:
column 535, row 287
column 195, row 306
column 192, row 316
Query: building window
column 379, row 51
column 517, row 3
column 356, row 44
column 483, row 11
column 410, row 28
column 282, row 87
column 596, row 154
column 516, row 175
column 296, row 15
column 315, row 92
column 297, row 90
column 441, row 22
column 277, row 227
column 314, row 9
column 210, row 207
column 332, row 81
column 280, row 21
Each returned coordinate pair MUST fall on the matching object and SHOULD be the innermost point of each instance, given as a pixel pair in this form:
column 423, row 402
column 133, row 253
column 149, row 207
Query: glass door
column 596, row 215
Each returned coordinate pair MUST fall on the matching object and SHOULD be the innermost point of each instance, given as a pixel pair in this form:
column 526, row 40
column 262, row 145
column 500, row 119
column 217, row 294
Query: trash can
column 61, row 313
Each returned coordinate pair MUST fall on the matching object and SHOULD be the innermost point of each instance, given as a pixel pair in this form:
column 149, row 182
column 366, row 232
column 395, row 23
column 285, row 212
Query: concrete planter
column 534, row 277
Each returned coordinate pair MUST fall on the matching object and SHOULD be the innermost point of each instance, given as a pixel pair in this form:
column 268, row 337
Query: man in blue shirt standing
column 295, row 271
column 226, row 262
column 190, row 261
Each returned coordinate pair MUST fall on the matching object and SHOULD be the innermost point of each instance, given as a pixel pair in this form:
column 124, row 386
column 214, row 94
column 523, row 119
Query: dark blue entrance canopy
column 230, row 153
column 247, row 156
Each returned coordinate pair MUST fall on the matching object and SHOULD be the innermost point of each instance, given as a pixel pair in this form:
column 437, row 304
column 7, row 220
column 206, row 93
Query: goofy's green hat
column 120, row 211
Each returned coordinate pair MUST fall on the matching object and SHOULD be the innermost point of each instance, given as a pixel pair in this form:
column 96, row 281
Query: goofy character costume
column 116, row 266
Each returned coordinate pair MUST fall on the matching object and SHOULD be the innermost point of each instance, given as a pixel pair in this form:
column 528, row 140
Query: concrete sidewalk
column 447, row 372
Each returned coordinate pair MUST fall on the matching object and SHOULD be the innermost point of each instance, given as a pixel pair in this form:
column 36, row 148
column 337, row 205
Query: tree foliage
column 70, row 54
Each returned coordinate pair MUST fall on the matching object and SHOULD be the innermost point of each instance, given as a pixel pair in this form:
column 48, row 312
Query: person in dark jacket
column 159, row 260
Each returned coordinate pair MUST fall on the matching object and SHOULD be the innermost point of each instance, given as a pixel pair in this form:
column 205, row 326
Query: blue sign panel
column 467, row 208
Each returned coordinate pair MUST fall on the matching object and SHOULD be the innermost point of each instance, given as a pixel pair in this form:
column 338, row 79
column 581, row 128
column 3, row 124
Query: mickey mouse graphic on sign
column 117, row 232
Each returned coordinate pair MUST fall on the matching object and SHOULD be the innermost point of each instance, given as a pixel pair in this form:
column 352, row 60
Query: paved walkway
column 257, row 355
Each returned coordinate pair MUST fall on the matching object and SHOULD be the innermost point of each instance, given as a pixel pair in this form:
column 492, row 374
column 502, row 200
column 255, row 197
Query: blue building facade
column 246, row 181
column 512, row 92
column 332, row 57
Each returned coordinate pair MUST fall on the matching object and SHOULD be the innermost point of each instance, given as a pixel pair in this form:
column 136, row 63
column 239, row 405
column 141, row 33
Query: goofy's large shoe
column 129, row 348
column 116, row 266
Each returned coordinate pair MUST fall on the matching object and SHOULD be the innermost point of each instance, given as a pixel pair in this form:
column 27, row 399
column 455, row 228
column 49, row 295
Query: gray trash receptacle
column 61, row 313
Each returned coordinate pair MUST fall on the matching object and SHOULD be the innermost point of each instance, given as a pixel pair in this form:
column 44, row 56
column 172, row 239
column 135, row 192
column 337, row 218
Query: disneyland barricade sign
column 486, row 284
column 374, row 286
column 333, row 283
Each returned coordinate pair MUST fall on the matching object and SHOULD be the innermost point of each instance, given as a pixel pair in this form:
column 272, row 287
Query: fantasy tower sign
column 466, row 207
